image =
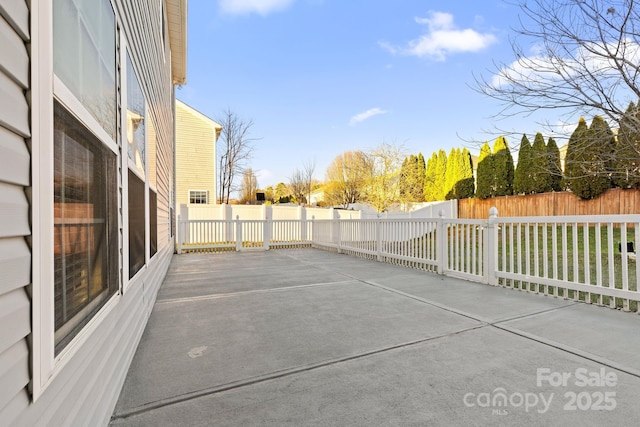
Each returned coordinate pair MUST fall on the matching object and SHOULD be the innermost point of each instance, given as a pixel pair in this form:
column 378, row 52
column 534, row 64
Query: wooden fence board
column 613, row 202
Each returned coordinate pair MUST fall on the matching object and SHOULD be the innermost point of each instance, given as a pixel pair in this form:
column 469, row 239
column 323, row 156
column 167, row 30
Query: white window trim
column 62, row 93
column 147, row 218
column 44, row 86
column 130, row 165
column 124, row 166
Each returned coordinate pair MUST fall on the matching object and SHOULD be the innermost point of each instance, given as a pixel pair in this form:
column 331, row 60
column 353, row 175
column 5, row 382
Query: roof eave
column 177, row 29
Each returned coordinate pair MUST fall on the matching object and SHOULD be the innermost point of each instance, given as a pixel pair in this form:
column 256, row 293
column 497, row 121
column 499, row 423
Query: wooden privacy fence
column 587, row 258
column 613, row 202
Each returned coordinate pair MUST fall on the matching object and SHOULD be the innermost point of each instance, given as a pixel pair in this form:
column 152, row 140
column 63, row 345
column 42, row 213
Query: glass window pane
column 84, row 55
column 153, row 223
column 135, row 119
column 198, row 197
column 85, row 225
column 152, row 151
column 136, row 224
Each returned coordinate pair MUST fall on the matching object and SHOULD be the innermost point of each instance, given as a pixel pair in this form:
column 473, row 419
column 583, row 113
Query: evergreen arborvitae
column 404, row 178
column 587, row 161
column 555, row 171
column 484, row 185
column 522, row 176
column 429, row 193
column 503, row 168
column 626, row 168
column 451, row 175
column 412, row 176
column 573, row 159
column 420, row 172
column 465, row 185
column 440, row 173
column 540, row 176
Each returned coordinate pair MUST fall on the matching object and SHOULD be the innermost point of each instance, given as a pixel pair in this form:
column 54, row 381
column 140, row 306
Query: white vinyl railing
column 584, row 258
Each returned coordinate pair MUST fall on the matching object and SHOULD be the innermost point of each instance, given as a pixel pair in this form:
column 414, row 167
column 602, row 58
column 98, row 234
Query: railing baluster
column 610, row 254
column 586, row 253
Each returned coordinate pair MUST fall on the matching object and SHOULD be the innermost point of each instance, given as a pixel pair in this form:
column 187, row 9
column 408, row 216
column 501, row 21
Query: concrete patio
column 307, row 337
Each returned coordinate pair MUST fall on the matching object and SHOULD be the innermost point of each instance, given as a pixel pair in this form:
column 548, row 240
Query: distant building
column 196, row 169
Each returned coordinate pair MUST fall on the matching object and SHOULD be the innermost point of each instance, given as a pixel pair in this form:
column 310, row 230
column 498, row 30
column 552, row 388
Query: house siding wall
column 15, row 255
column 86, row 388
column 195, row 154
column 146, row 49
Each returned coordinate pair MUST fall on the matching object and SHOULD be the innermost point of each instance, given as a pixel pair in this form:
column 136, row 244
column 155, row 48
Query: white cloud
column 261, row 7
column 442, row 38
column 542, row 69
column 264, row 176
column 366, row 115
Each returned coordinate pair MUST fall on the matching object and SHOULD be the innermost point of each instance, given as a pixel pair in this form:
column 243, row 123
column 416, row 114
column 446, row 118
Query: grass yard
column 588, row 255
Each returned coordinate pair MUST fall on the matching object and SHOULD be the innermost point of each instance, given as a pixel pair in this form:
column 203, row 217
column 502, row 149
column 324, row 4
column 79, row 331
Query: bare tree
column 585, row 62
column 346, row 178
column 248, row 187
column 298, row 186
column 383, row 186
column 308, row 169
column 235, row 147
column 586, row 59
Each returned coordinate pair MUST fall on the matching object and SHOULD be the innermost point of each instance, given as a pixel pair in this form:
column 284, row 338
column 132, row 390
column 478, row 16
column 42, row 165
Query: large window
column 135, row 120
column 153, row 192
column 153, row 223
column 85, row 183
column 136, row 143
column 85, row 234
column 136, row 224
column 84, row 59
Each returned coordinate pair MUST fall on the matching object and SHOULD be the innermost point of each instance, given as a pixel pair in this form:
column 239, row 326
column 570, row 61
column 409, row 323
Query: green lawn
column 573, row 257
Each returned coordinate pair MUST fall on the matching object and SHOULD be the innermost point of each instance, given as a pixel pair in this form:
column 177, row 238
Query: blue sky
column 319, row 77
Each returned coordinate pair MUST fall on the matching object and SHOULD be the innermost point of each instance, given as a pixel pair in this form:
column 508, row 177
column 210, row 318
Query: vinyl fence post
column 238, row 234
column 441, row 243
column 268, row 227
column 336, row 231
column 179, row 236
column 378, row 239
column 303, row 225
column 491, row 247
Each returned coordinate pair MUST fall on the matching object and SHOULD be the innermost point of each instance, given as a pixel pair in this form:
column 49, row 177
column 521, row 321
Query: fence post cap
column 493, row 212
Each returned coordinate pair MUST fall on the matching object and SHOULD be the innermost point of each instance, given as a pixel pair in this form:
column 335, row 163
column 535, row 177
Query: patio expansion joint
column 161, row 403
column 255, row 291
column 571, row 350
column 498, row 324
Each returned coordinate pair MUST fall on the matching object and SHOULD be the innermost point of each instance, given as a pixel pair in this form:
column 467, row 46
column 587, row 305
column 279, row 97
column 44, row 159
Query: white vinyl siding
column 146, row 49
column 82, row 385
column 15, row 254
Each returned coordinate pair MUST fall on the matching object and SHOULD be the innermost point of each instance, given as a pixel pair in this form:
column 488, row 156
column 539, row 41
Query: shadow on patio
column 307, row 337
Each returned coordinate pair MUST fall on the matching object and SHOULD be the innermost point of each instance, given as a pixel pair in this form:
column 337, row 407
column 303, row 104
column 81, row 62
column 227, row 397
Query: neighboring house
column 86, row 197
column 196, row 136
column 316, row 196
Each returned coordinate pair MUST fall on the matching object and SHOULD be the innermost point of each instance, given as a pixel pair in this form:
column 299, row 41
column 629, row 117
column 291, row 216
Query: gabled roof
column 205, row 119
column 177, row 29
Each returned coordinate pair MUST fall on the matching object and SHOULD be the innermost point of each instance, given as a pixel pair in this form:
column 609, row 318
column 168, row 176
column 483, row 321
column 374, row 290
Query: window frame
column 206, row 193
column 45, row 86
column 128, row 165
